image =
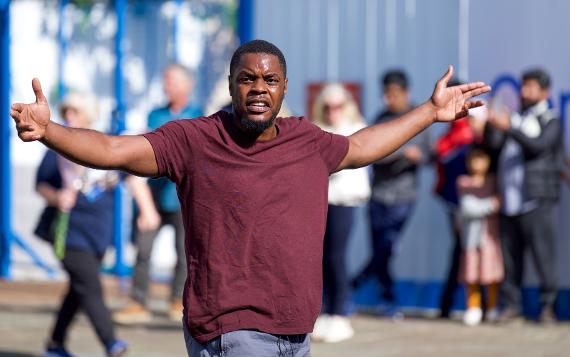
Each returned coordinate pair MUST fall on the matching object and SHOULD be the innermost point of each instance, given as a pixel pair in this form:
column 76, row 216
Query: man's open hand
column 452, row 103
column 32, row 119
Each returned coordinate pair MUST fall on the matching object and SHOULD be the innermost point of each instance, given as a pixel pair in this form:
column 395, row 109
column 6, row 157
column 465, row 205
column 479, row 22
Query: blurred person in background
column 529, row 170
column 450, row 156
column 178, row 84
column 394, row 189
column 336, row 111
column 78, row 220
column 481, row 259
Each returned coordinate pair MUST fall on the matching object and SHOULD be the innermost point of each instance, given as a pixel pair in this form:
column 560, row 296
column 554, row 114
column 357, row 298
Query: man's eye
column 272, row 81
column 245, row 80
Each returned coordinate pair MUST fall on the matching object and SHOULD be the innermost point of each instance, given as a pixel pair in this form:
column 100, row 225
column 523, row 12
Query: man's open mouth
column 257, row 106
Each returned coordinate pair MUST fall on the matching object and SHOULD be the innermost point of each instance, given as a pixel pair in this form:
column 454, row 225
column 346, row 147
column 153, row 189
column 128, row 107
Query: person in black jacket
column 529, row 145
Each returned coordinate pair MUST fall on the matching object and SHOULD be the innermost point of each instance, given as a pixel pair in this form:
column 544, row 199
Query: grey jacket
column 543, row 154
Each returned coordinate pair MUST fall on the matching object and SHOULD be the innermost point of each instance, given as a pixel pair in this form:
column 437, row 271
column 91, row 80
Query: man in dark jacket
column 394, row 188
column 529, row 144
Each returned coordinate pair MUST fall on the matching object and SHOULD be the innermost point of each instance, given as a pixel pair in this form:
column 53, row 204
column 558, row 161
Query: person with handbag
column 78, row 220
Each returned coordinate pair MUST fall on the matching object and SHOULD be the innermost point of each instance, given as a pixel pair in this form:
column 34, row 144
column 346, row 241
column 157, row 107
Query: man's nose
column 259, row 85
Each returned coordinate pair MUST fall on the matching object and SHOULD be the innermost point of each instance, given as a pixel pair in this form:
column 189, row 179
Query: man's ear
column 230, row 86
column 285, row 86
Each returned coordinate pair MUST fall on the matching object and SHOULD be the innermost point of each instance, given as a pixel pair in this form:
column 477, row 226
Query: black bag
column 45, row 229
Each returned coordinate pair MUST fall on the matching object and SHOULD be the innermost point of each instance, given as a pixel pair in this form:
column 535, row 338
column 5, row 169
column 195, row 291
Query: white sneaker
column 492, row 315
column 473, row 316
column 321, row 327
column 339, row 329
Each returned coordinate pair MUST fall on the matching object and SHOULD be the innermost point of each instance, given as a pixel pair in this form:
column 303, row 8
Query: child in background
column 481, row 261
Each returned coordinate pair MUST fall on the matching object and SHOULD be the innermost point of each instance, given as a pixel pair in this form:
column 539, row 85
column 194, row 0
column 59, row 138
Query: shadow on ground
column 15, row 354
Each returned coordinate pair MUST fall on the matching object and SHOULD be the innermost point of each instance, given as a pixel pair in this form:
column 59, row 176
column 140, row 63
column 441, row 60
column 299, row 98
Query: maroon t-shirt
column 254, row 215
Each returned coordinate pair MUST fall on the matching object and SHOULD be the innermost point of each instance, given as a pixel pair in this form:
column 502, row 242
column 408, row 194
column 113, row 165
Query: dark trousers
column 387, row 222
column 452, row 282
column 85, row 293
column 144, row 242
column 533, row 230
column 340, row 220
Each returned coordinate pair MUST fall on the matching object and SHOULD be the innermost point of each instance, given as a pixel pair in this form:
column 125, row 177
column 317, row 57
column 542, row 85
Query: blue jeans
column 387, row 222
column 249, row 343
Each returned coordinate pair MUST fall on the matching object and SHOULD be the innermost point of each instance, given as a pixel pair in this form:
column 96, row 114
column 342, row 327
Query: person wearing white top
column 336, row 111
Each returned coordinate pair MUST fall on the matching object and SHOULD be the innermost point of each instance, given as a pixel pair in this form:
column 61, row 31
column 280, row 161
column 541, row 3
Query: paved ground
column 26, row 312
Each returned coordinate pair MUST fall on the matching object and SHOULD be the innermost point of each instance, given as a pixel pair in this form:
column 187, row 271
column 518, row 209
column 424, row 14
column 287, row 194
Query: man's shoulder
column 296, row 125
column 159, row 111
column 201, row 122
column 548, row 115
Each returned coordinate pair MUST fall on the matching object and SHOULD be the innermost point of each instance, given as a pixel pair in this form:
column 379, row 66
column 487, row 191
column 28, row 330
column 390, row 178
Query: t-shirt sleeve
column 172, row 149
column 332, row 147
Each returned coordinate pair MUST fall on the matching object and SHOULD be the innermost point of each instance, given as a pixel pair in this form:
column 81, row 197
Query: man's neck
column 268, row 134
column 177, row 107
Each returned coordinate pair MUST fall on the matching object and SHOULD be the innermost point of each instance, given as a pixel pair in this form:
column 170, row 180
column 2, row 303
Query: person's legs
column 339, row 223
column 67, row 311
column 542, row 242
column 452, row 276
column 375, row 214
column 513, row 242
column 249, row 343
column 83, row 268
column 144, row 243
column 175, row 219
column 474, row 314
column 388, row 234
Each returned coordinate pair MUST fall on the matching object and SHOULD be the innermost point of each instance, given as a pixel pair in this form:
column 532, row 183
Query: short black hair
column 395, row 76
column 539, row 75
column 257, row 46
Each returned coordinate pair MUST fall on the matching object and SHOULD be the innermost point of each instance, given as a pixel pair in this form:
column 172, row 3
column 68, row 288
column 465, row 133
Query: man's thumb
column 37, row 87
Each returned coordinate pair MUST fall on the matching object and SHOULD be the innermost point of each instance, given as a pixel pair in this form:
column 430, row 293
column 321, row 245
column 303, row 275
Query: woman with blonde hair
column 336, row 111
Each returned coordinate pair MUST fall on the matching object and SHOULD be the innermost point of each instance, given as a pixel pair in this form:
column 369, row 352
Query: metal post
column 118, row 127
column 62, row 41
column 245, row 20
column 564, row 115
column 5, row 179
column 175, row 30
column 7, row 236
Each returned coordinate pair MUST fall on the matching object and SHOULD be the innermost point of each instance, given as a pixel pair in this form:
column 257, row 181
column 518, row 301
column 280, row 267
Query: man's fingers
column 446, row 77
column 15, row 114
column 37, row 87
column 17, row 107
column 470, row 86
column 28, row 136
column 474, row 104
column 477, row 91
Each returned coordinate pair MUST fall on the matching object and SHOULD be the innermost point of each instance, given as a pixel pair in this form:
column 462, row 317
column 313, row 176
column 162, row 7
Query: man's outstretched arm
column 91, row 148
column 446, row 104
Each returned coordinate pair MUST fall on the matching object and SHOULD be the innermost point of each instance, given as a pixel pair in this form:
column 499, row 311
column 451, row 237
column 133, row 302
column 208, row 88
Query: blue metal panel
column 118, row 127
column 62, row 41
column 175, row 28
column 245, row 20
column 5, row 180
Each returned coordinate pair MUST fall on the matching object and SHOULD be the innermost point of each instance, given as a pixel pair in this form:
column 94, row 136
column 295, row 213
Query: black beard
column 255, row 127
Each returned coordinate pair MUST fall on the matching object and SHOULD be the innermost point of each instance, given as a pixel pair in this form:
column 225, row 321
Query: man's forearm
column 378, row 141
column 83, row 146
column 91, row 148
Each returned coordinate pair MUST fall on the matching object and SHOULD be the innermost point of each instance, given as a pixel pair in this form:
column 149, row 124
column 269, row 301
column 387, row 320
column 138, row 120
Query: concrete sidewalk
column 26, row 315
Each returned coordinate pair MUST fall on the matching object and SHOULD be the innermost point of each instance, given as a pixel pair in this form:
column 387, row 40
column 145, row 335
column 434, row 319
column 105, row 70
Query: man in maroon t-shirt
column 253, row 191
